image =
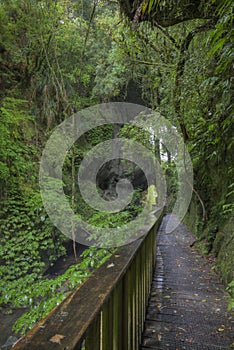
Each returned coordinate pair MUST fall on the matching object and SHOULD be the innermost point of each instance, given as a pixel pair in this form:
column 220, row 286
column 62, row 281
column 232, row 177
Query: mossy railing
column 107, row 311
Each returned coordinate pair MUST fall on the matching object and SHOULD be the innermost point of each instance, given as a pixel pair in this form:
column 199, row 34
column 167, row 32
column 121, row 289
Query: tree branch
column 180, row 72
column 169, row 13
column 168, row 36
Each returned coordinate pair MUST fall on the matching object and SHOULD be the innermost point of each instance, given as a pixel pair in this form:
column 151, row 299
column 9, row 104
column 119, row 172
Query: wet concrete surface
column 188, row 304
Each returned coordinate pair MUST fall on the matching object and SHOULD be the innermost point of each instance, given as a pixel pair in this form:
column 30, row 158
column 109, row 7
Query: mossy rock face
column 223, row 247
column 220, row 244
column 193, row 219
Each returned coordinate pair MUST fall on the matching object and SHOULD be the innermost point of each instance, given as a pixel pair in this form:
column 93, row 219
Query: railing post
column 138, row 318
column 107, row 326
column 92, row 341
column 118, row 317
column 127, row 291
column 133, row 303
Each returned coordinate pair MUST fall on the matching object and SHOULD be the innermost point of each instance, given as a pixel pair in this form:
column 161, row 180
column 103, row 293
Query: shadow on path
column 188, row 304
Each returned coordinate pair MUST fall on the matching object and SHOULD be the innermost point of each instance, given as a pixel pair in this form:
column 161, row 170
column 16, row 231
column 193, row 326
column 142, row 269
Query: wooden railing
column 107, row 311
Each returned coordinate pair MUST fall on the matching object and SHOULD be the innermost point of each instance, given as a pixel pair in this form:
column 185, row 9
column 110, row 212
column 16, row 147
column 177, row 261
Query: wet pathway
column 188, row 304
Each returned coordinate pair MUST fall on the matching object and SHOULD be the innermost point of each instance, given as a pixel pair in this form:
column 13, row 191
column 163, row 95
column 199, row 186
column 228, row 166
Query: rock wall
column 219, row 243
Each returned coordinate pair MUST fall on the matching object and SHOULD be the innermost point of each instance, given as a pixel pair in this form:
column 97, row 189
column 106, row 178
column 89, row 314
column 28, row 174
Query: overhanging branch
column 169, row 13
column 180, row 71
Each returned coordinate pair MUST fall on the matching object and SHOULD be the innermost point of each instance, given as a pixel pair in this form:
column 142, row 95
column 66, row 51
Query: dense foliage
column 58, row 57
column 48, row 56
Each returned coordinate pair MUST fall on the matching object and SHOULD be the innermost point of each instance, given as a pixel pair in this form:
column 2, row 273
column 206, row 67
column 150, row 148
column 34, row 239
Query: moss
column 219, row 243
column 223, row 247
column 193, row 219
column 202, row 247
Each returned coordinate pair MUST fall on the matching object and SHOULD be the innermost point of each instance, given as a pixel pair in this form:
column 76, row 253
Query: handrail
column 107, row 311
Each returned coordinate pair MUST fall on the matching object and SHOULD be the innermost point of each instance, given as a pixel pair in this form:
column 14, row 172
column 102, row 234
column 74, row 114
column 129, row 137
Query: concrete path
column 188, row 304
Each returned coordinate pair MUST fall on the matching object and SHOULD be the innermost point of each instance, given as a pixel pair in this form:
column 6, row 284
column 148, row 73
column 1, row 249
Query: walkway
column 188, row 304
